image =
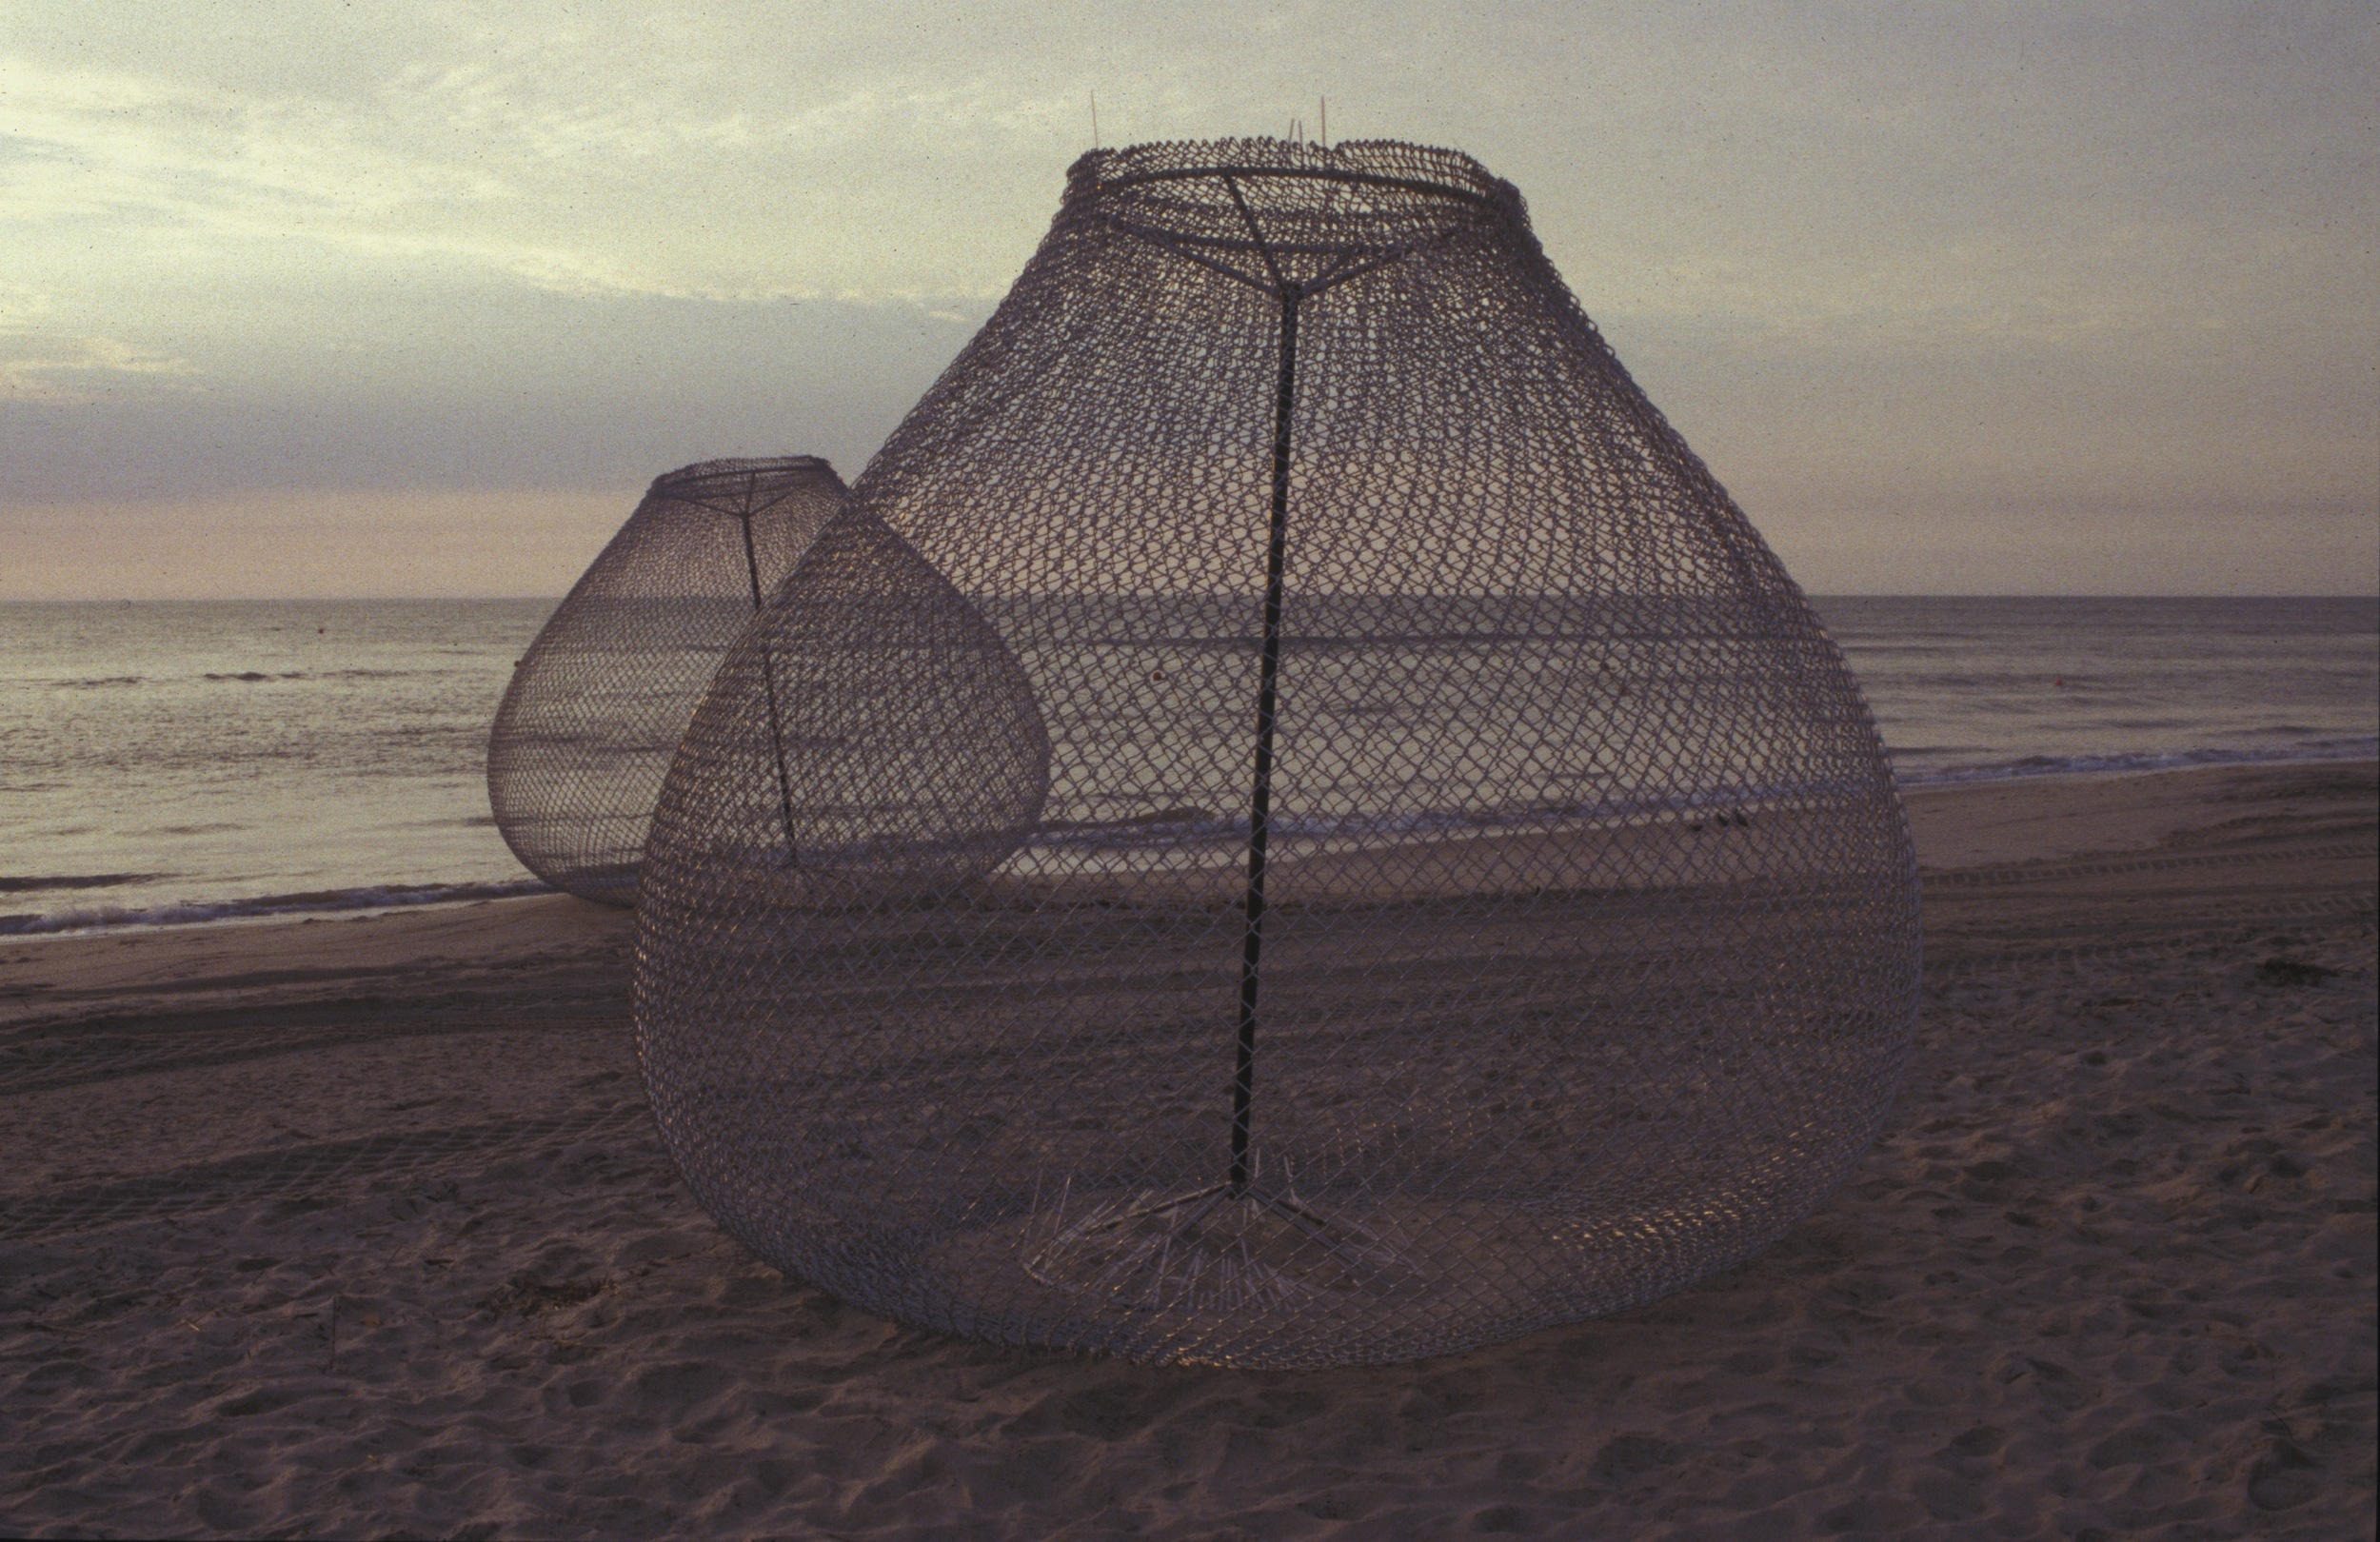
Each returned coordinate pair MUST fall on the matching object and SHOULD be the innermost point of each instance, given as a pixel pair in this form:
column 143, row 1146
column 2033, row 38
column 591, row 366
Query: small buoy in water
column 2058, row 684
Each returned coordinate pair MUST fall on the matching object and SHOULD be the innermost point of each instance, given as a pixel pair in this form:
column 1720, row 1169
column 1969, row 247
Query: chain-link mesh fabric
column 592, row 718
column 1315, row 831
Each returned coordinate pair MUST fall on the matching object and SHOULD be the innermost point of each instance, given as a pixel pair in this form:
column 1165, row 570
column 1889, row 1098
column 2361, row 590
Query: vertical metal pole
column 1260, row 800
column 768, row 679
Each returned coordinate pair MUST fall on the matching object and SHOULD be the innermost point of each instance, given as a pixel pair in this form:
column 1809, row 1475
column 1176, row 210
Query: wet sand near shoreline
column 359, row 1226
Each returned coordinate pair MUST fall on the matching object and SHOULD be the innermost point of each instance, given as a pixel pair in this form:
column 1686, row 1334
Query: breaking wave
column 383, row 897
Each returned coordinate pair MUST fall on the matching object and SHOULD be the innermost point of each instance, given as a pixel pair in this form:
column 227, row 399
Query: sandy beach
column 359, row 1226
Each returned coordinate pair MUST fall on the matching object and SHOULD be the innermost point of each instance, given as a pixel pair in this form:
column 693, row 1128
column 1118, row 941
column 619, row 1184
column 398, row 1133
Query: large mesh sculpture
column 588, row 726
column 1316, row 831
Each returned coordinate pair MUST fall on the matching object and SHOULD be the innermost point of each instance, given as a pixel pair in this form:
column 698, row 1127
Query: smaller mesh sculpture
column 1288, row 821
column 592, row 718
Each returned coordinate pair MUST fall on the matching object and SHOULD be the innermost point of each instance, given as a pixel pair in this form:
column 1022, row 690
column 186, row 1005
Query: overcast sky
column 320, row 298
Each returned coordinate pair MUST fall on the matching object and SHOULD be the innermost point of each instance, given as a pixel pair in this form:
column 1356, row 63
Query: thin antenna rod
column 768, row 678
column 1267, row 706
column 1327, row 123
column 1095, row 120
column 1260, row 799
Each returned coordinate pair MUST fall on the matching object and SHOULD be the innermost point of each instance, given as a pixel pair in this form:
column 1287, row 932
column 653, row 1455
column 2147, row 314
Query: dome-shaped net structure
column 1318, row 833
column 592, row 718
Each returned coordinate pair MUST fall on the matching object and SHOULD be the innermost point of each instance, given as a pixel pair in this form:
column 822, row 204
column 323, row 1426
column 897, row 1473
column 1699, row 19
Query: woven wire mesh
column 591, row 721
column 1316, row 831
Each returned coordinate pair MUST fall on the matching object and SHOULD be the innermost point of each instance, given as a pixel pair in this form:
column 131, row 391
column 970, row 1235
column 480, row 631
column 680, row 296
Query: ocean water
column 169, row 762
column 174, row 763
column 1998, row 687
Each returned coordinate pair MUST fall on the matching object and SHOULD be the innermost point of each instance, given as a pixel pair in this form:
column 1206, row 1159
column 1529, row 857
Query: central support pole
column 1260, row 800
column 768, row 679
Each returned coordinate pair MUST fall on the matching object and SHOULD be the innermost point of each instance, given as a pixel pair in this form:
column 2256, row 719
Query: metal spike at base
column 1217, row 1249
